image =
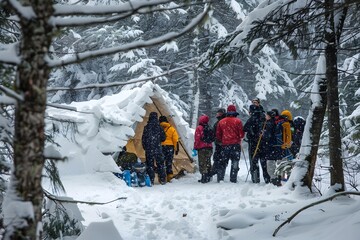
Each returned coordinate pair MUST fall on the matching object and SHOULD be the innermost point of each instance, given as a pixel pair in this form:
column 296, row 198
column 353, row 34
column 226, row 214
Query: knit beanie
column 220, row 112
column 163, row 119
column 231, row 108
column 271, row 114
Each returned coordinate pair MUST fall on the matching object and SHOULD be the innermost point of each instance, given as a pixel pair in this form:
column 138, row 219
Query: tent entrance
column 182, row 161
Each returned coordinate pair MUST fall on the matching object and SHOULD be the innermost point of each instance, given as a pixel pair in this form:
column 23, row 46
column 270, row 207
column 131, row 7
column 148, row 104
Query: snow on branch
column 11, row 93
column 130, row 46
column 82, row 20
column 22, row 11
column 131, row 6
column 8, row 54
column 114, row 84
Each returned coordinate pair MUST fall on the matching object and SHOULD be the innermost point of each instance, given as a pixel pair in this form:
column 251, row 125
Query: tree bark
column 317, row 120
column 336, row 170
column 33, row 74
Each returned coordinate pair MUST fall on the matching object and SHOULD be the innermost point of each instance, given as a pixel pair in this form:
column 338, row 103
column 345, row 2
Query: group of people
column 272, row 138
column 160, row 141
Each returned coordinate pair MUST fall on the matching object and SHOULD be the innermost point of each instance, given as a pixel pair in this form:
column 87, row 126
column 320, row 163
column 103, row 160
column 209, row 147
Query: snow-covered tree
column 300, row 24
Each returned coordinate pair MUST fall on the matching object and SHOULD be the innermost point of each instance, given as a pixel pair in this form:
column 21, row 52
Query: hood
column 204, row 119
column 165, row 124
column 153, row 116
column 288, row 114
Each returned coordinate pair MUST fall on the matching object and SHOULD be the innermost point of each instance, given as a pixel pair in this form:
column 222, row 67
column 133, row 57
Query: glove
column 194, row 153
column 177, row 148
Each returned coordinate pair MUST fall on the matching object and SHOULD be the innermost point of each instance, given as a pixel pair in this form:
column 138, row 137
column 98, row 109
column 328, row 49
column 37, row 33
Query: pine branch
column 11, row 93
column 114, row 84
column 130, row 46
column 85, row 21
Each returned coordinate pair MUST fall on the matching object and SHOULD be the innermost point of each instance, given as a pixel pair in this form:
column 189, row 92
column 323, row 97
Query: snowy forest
column 300, row 55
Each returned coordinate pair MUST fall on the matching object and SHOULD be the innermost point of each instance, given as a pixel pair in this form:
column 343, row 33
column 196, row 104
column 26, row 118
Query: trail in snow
column 183, row 209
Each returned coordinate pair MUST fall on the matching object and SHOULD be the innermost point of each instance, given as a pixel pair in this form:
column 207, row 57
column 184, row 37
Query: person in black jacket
column 253, row 128
column 270, row 149
column 299, row 125
column 152, row 137
column 221, row 113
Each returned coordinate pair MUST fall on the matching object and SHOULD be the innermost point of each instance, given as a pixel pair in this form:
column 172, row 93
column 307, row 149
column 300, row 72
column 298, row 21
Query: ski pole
column 247, row 167
column 258, row 143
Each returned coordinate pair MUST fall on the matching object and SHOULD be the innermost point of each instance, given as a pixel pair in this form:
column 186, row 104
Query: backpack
column 208, row 134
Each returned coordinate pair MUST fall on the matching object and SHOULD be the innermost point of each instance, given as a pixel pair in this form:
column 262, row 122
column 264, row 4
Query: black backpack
column 208, row 134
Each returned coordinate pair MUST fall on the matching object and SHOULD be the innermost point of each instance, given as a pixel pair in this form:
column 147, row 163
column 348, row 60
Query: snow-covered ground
column 186, row 209
column 183, row 209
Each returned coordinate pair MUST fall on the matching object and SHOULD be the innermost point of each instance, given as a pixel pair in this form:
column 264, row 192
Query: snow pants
column 204, row 157
column 168, row 151
column 254, row 164
column 229, row 152
column 216, row 159
column 151, row 157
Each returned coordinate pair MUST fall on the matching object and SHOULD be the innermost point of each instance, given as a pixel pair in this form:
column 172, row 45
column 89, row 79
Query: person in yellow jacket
column 169, row 146
column 284, row 141
column 287, row 134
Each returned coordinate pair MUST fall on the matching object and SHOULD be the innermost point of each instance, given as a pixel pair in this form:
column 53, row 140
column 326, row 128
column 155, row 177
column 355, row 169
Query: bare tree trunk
column 31, row 83
column 337, row 174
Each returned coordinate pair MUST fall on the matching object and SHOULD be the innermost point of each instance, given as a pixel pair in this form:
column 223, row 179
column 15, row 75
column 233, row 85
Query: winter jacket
column 229, row 130
column 299, row 124
column 270, row 150
column 283, row 133
column 254, row 126
column 199, row 133
column 153, row 134
column 172, row 136
column 126, row 160
column 215, row 127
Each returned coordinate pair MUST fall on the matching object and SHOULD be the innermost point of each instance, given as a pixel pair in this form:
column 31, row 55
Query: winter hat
column 254, row 109
column 271, row 114
column 275, row 111
column 163, row 119
column 231, row 108
column 256, row 100
column 288, row 114
column 220, row 112
column 204, row 119
column 153, row 116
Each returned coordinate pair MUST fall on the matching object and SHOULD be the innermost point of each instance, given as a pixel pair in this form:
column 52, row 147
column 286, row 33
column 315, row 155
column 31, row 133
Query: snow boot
column 206, row 178
column 127, row 177
column 202, row 180
column 255, row 177
column 148, row 182
column 169, row 176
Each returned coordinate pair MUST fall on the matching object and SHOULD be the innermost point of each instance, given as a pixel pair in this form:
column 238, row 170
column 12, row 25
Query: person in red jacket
column 204, row 150
column 229, row 133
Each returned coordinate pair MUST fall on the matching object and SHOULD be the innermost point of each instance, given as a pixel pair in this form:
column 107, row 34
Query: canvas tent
column 183, row 160
column 107, row 124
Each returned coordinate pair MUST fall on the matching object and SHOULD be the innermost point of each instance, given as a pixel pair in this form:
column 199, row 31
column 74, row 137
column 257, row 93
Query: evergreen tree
column 292, row 24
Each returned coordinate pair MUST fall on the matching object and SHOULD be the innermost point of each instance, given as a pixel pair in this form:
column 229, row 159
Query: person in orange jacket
column 169, row 146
